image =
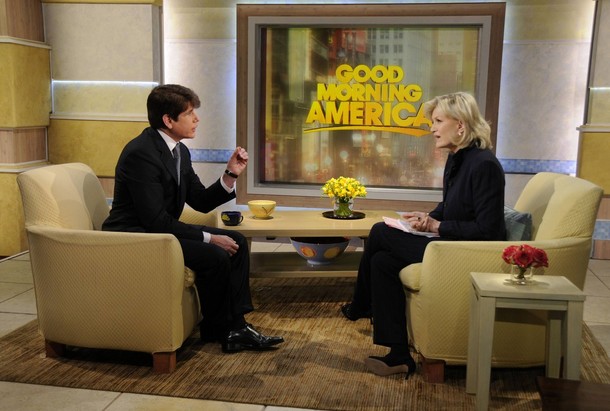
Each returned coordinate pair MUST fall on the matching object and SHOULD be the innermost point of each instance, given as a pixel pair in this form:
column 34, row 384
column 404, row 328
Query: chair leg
column 164, row 362
column 53, row 349
column 433, row 370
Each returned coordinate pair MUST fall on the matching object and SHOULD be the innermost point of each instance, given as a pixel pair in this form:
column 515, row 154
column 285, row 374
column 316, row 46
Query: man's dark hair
column 170, row 99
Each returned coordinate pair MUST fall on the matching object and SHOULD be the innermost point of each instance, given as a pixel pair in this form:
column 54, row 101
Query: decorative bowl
column 319, row 250
column 261, row 208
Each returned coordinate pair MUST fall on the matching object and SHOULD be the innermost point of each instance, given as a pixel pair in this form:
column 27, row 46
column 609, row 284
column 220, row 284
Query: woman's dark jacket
column 473, row 197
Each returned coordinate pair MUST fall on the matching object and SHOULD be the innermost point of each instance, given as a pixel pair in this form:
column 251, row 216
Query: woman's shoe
column 353, row 314
column 383, row 367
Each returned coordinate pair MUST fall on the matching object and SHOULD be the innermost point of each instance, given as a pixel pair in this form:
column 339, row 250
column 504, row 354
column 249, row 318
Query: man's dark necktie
column 176, row 154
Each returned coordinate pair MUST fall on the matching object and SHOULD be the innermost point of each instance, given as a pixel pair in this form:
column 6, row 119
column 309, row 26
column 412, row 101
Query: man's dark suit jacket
column 147, row 197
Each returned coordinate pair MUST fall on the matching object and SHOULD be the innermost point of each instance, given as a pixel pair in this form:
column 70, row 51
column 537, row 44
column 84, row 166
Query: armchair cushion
column 518, row 225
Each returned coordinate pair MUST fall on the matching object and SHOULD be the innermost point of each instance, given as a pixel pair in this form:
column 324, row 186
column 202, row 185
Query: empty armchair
column 563, row 211
column 96, row 289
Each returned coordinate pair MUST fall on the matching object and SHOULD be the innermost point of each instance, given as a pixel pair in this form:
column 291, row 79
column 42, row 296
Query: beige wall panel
column 96, row 143
column 104, row 41
column 121, row 101
column 542, row 99
column 25, row 99
column 544, row 78
column 599, row 106
column 515, row 183
column 187, row 22
column 595, row 152
column 211, row 74
column 525, row 19
column 13, row 239
column 541, row 20
column 209, row 172
column 20, row 146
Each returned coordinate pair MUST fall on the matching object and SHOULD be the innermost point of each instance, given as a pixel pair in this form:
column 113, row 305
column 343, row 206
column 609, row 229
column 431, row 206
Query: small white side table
column 564, row 303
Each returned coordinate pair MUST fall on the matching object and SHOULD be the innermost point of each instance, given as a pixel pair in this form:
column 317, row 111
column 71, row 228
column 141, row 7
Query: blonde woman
column 472, row 209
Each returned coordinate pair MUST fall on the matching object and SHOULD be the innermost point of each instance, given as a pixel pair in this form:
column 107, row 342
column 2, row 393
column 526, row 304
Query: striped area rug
column 320, row 366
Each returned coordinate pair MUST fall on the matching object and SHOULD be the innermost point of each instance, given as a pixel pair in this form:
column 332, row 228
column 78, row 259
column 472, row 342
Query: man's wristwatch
column 231, row 174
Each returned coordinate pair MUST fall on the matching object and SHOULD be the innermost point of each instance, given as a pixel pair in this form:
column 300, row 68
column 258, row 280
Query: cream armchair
column 96, row 289
column 563, row 210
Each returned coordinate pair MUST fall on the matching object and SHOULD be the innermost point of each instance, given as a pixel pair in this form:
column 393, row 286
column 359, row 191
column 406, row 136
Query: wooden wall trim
column 23, row 19
column 23, row 42
column 23, row 146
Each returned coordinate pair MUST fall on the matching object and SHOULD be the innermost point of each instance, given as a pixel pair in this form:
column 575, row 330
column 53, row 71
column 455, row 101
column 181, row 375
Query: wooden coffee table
column 304, row 223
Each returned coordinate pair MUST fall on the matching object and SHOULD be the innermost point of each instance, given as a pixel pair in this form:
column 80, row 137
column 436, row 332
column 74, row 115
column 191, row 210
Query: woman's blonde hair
column 463, row 107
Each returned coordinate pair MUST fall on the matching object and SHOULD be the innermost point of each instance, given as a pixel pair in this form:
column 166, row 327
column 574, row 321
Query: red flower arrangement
column 525, row 256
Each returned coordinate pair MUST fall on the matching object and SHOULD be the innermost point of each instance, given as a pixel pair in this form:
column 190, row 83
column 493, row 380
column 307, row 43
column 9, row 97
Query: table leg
column 553, row 343
column 572, row 337
column 487, row 316
column 473, row 341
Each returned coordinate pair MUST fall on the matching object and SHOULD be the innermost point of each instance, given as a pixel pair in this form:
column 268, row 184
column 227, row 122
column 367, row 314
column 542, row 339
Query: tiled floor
column 17, row 308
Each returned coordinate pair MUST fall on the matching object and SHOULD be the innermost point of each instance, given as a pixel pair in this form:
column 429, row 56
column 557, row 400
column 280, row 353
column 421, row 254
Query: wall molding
column 207, row 155
column 22, row 42
column 533, row 166
column 100, row 117
column 152, row 2
column 510, row 165
column 597, row 128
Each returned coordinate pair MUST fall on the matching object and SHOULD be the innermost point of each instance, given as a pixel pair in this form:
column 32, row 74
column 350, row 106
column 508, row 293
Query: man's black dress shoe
column 248, row 338
column 353, row 314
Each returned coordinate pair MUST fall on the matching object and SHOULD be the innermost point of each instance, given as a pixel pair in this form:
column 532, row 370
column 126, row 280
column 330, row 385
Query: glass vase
column 520, row 275
column 343, row 209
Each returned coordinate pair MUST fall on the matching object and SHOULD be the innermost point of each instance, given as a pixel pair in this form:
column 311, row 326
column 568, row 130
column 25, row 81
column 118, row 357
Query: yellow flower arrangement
column 344, row 189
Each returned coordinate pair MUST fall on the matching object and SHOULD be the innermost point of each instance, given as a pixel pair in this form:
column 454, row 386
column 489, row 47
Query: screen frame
column 252, row 18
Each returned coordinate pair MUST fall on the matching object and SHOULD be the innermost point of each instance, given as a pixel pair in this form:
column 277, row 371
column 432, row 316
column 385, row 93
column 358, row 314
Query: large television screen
column 341, row 94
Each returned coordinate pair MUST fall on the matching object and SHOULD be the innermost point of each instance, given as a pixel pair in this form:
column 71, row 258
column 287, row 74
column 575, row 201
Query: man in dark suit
column 154, row 178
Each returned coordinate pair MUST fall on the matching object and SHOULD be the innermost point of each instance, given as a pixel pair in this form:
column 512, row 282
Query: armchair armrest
column 444, row 259
column 190, row 216
column 102, row 284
